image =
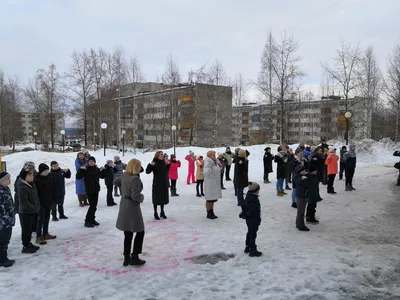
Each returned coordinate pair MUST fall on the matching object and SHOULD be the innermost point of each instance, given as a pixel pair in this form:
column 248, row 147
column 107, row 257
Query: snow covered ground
column 354, row 253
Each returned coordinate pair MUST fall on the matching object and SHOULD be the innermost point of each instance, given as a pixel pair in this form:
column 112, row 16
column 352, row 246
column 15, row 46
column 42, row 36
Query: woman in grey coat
column 130, row 217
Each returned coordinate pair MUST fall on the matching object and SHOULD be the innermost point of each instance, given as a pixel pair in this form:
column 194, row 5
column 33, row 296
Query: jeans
column 91, row 213
column 251, row 236
column 110, row 199
column 279, row 184
column 349, row 177
column 60, row 207
column 294, row 195
column 27, row 221
column 331, row 180
column 199, row 184
column 5, row 236
column 137, row 244
column 240, row 196
column 301, row 207
column 43, row 221
column 227, row 170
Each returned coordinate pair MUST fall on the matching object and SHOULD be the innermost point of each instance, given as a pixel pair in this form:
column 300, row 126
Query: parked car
column 76, row 147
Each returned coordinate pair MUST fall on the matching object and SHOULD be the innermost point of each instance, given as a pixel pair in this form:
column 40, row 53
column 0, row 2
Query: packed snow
column 354, row 253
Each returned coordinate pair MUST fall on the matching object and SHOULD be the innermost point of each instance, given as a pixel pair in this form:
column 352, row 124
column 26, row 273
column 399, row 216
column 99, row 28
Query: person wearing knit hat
column 91, row 158
column 7, row 217
column 251, row 212
column 109, row 181
column 59, row 176
column 222, row 164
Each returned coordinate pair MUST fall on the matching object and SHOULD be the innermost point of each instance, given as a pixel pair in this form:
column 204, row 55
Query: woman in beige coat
column 130, row 217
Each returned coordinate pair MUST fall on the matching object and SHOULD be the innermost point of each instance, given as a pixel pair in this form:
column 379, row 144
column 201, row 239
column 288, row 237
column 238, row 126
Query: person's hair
column 157, row 154
column 133, row 166
column 298, row 151
column 210, row 152
column 242, row 153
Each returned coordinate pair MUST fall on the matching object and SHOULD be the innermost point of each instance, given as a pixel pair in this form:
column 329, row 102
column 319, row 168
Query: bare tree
column 370, row 83
column 345, row 70
column 239, row 89
column 392, row 85
column 81, row 83
column 134, row 71
column 216, row 74
column 198, row 76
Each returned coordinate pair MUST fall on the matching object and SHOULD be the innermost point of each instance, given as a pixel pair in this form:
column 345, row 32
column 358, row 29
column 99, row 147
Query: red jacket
column 332, row 163
column 173, row 169
column 191, row 160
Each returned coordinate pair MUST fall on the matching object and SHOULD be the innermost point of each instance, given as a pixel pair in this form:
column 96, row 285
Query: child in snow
column 200, row 176
column 109, row 171
column 332, row 169
column 267, row 160
column 307, row 153
column 251, row 212
column 222, row 163
column 173, row 173
column 191, row 160
column 7, row 218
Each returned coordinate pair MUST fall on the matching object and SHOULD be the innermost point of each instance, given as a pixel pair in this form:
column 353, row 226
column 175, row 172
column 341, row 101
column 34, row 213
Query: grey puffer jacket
column 28, row 198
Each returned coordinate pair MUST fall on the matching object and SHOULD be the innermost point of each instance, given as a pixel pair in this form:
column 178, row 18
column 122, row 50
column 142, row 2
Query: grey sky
column 34, row 33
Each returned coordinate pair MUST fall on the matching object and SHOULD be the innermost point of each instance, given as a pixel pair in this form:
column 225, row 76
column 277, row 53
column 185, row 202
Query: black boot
column 210, row 215
column 212, row 212
column 255, row 253
column 172, row 192
column 89, row 224
column 95, row 223
column 246, row 250
column 156, row 216
column 288, row 188
column 127, row 259
column 312, row 220
column 7, row 263
column 175, row 193
column 136, row 261
column 162, row 215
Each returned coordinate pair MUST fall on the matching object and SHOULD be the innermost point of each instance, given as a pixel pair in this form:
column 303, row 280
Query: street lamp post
column 104, row 127
column 347, row 116
column 63, row 140
column 123, row 141
column 35, row 134
column 95, row 140
column 173, row 128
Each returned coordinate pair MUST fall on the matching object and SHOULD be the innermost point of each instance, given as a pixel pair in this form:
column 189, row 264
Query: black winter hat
column 312, row 168
column 53, row 163
column 23, row 174
column 43, row 167
column 92, row 159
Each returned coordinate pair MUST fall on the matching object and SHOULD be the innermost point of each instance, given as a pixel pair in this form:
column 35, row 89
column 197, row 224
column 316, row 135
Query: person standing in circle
column 80, row 190
column 130, row 219
column 160, row 169
column 212, row 184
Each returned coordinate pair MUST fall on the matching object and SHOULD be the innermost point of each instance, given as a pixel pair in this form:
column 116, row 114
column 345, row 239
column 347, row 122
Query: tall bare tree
column 81, row 82
column 134, row 71
column 239, row 89
column 216, row 74
column 198, row 76
column 392, row 85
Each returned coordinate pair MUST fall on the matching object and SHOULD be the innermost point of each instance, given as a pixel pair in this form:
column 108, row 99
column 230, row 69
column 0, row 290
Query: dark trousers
column 331, row 180
column 266, row 174
column 289, row 168
column 5, row 236
column 116, row 190
column 59, row 205
column 227, row 170
column 240, row 196
column 137, row 244
column 91, row 213
column 349, row 176
column 27, row 222
column 311, row 210
column 325, row 174
column 42, row 227
column 173, row 185
column 222, row 180
column 398, row 179
column 342, row 165
column 155, row 207
column 199, row 184
column 252, row 228
column 301, row 208
column 110, row 199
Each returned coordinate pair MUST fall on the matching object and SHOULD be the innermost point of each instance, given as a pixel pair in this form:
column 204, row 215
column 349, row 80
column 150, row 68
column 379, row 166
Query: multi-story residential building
column 40, row 123
column 306, row 121
column 202, row 114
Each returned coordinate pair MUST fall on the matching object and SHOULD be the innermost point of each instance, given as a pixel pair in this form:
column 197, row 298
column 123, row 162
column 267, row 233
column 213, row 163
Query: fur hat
column 4, row 176
column 29, row 166
column 253, row 187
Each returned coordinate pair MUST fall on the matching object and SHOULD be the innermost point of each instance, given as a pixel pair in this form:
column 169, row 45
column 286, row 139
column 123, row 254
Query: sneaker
column 288, row 188
column 40, row 240
column 294, row 205
column 279, row 193
column 7, row 263
column 63, row 217
column 95, row 223
column 49, row 237
column 54, row 219
column 33, row 246
column 283, row 192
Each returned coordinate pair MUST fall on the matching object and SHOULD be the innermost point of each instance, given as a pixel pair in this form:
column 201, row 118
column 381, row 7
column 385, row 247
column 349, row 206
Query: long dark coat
column 92, row 177
column 45, row 189
column 59, row 183
column 241, row 173
column 160, row 193
column 267, row 159
column 280, row 167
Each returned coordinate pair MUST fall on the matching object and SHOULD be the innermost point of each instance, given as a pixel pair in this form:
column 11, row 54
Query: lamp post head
column 347, row 115
column 173, row 127
column 103, row 126
column 123, row 132
column 95, row 134
column 35, row 133
column 62, row 132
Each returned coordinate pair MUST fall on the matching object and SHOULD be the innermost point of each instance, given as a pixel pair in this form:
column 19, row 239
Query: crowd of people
column 39, row 194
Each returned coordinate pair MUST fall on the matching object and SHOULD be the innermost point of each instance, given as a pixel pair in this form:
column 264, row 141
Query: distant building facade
column 40, row 123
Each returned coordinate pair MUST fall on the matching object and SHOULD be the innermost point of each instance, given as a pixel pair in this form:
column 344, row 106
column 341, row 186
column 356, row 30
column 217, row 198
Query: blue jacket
column 7, row 208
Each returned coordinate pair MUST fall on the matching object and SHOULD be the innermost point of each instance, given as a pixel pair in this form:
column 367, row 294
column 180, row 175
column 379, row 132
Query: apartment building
column 40, row 123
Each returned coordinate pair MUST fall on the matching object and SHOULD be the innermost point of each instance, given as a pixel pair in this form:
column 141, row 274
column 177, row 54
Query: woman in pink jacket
column 173, row 173
column 332, row 169
column 191, row 161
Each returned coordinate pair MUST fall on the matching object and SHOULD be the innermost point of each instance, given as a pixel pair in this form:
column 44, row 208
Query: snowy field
column 354, row 253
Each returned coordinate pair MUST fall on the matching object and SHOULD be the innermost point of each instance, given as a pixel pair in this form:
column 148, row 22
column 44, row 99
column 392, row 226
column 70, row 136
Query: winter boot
column 312, row 220
column 95, row 223
column 223, row 188
column 172, row 192
column 176, row 194
column 210, row 215
column 136, row 261
column 156, row 216
column 85, row 202
column 246, row 250
column 212, row 212
column 29, row 250
column 288, row 188
column 348, row 189
column 283, row 192
column 351, row 188
column 81, row 203
column 255, row 253
column 294, row 205
column 49, row 237
column 54, row 219
column 198, row 195
column 127, row 259
column 40, row 240
column 279, row 193
column 162, row 215
column 305, row 228
column 89, row 224
column 7, row 263
column 202, row 194
column 63, row 217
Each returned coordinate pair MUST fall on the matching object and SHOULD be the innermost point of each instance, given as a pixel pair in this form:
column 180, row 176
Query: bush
column 27, row 149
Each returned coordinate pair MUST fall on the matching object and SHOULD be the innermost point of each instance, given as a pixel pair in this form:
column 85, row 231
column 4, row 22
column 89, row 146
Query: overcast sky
column 34, row 33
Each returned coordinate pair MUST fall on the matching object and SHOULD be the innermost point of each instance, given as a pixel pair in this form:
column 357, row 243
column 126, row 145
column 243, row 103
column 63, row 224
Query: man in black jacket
column 92, row 174
column 59, row 176
column 251, row 212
